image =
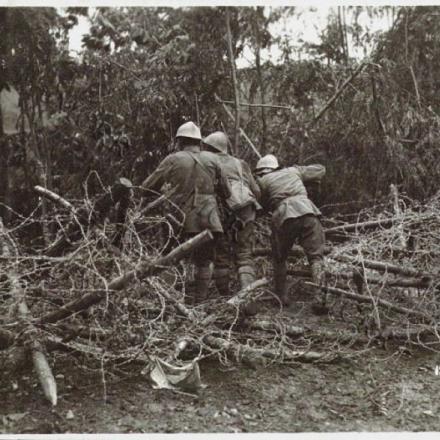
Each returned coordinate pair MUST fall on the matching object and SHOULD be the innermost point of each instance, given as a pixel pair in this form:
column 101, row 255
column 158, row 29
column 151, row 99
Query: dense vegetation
column 144, row 71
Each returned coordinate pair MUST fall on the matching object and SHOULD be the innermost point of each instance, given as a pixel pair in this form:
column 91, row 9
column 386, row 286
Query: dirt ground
column 392, row 389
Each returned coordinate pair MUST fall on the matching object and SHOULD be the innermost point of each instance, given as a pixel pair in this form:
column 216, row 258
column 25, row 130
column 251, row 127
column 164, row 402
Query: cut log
column 143, row 270
column 40, row 362
column 369, row 300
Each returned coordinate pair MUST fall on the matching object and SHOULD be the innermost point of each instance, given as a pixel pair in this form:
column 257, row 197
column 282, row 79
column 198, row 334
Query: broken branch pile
column 126, row 300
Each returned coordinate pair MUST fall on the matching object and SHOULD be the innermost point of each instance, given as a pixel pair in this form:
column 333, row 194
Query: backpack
column 241, row 195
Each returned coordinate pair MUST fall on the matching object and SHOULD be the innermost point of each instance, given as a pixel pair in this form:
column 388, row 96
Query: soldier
column 294, row 216
column 195, row 177
column 239, row 216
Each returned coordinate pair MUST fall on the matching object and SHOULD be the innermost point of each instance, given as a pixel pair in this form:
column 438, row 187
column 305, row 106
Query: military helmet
column 217, row 140
column 189, row 130
column 268, row 161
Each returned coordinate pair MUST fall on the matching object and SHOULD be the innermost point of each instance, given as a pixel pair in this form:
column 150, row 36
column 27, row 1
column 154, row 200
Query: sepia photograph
column 219, row 219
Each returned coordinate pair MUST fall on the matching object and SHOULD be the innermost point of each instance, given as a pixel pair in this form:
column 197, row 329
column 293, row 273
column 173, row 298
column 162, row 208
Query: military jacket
column 283, row 192
column 193, row 176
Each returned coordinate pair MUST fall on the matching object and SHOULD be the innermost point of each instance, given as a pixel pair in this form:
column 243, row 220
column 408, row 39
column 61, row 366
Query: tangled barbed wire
column 380, row 290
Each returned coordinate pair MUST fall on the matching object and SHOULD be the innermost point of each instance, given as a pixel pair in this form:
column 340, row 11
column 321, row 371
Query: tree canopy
column 144, row 71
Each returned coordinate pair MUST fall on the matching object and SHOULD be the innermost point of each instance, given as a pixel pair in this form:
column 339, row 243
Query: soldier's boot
column 221, row 278
column 319, row 305
column 246, row 276
column 202, row 278
column 280, row 279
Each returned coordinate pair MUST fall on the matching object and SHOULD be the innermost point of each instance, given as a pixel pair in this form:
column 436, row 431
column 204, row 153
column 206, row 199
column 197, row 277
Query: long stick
column 385, row 267
column 368, row 300
column 362, row 225
column 143, row 270
column 247, row 104
column 245, row 351
column 242, row 132
column 336, row 95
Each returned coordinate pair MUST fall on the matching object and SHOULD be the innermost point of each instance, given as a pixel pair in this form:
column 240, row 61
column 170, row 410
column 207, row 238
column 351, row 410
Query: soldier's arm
column 311, row 172
column 154, row 181
column 264, row 199
column 253, row 185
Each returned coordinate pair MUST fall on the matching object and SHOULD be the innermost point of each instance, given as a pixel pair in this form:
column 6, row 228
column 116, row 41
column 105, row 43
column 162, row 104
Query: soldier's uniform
column 294, row 216
column 194, row 176
column 238, row 217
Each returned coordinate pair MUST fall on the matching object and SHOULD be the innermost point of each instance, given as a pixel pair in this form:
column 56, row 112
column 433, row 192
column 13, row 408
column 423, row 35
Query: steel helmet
column 217, row 140
column 268, row 161
column 189, row 130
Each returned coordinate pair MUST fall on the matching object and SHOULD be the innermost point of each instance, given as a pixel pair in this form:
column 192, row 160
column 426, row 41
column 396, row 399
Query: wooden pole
column 242, row 132
column 234, row 81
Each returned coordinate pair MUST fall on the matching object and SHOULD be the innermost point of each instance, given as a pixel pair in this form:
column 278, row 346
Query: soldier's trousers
column 310, row 235
column 238, row 247
column 235, row 246
column 202, row 258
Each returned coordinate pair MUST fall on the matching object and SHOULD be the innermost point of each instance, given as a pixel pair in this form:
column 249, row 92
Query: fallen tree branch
column 382, row 266
column 369, row 300
column 119, row 192
column 244, row 295
column 143, row 270
column 53, row 197
column 240, row 351
column 397, row 282
column 336, row 95
column 362, row 225
column 41, row 365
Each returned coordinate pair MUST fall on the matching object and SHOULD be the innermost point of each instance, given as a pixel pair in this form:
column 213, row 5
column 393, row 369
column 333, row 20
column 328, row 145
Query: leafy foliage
column 144, row 71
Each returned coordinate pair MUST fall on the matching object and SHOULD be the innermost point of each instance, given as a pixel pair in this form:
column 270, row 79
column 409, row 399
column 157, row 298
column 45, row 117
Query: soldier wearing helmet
column 240, row 211
column 195, row 178
column 294, row 216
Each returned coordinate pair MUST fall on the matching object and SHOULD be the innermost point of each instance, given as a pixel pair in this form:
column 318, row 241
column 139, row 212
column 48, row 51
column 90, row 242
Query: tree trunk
column 260, row 15
column 234, row 82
